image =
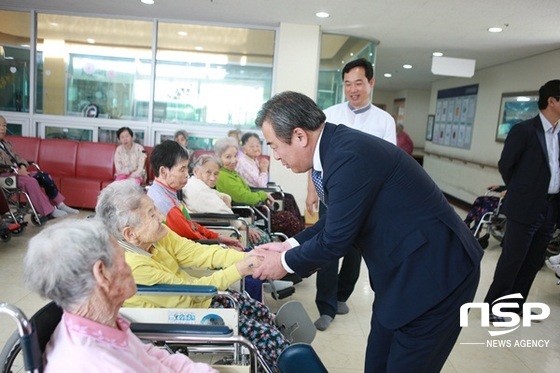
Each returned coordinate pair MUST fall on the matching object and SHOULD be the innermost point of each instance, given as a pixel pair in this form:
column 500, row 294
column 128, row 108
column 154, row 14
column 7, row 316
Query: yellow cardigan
column 164, row 267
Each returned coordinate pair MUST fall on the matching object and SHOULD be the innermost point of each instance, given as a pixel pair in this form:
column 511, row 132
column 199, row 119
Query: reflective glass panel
column 92, row 67
column 14, row 61
column 209, row 74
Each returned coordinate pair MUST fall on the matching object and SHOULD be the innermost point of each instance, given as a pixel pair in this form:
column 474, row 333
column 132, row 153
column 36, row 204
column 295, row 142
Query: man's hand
column 279, row 247
column 271, row 265
column 312, row 200
column 231, row 242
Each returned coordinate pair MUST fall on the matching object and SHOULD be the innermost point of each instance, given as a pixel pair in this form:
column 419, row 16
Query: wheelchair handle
column 164, row 289
column 32, row 358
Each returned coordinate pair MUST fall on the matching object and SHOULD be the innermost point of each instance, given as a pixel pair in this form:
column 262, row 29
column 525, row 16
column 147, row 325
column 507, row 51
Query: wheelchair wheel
column 497, row 228
column 37, row 222
column 6, row 236
column 10, row 355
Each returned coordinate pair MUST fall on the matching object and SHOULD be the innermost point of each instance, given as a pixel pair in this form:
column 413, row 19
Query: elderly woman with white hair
column 230, row 182
column 79, row 265
column 200, row 197
column 157, row 255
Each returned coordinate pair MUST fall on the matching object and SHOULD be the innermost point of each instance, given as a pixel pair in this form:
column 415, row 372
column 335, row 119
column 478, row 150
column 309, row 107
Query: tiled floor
column 342, row 346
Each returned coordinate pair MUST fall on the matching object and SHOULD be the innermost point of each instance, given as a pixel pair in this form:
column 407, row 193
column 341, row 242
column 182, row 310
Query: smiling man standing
column 422, row 258
column 334, row 287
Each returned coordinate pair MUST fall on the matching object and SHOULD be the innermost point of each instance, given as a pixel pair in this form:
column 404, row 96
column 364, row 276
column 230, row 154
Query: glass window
column 92, row 66
column 14, row 61
column 337, row 51
column 209, row 74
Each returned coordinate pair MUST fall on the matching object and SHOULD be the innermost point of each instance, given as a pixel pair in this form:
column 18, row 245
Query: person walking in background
column 334, row 287
column 530, row 167
column 130, row 157
column 423, row 260
column 403, row 140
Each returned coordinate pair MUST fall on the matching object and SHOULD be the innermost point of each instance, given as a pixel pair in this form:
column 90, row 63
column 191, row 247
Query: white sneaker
column 554, row 259
column 58, row 213
column 554, row 267
column 69, row 210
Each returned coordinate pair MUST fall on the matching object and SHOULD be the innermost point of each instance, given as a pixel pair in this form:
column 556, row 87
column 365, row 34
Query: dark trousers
column 422, row 345
column 523, row 253
column 333, row 286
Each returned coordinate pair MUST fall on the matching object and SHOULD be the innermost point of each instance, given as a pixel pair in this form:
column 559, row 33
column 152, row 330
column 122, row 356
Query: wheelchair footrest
column 284, row 293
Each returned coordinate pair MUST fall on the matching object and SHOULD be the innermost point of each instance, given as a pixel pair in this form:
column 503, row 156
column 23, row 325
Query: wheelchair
column 33, row 335
column 9, row 224
column 485, row 213
column 18, row 200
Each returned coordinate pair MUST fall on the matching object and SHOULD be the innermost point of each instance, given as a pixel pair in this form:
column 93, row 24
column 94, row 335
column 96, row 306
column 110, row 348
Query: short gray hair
column 289, row 110
column 224, row 144
column 60, row 259
column 204, row 159
column 118, row 204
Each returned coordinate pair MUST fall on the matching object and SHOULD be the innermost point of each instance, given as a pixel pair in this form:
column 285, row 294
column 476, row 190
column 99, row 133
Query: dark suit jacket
column 417, row 249
column 525, row 170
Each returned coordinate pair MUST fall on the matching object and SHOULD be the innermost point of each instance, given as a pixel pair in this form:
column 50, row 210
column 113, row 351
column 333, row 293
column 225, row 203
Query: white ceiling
column 408, row 31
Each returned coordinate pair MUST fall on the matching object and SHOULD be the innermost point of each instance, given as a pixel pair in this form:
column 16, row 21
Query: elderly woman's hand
column 247, row 266
column 233, row 243
column 269, row 200
column 263, row 165
column 254, row 235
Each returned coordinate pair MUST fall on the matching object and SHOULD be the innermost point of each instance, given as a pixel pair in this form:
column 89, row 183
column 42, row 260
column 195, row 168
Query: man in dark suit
column 530, row 167
column 422, row 259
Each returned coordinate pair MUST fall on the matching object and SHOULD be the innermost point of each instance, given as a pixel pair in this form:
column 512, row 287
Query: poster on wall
column 454, row 118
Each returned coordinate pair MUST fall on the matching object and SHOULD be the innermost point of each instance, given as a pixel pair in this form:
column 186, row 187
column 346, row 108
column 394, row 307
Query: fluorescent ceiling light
column 182, row 33
column 495, row 29
column 437, row 54
column 387, row 75
column 407, row 66
column 147, row 2
column 322, row 14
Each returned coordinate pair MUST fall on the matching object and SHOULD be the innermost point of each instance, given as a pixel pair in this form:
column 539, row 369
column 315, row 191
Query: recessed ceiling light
column 147, row 2
column 437, row 54
column 351, row 54
column 198, row 48
column 182, row 33
column 322, row 14
column 91, row 41
column 407, row 66
column 387, row 75
column 495, row 29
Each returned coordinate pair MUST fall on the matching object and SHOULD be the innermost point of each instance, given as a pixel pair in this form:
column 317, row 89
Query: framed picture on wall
column 430, row 127
column 515, row 107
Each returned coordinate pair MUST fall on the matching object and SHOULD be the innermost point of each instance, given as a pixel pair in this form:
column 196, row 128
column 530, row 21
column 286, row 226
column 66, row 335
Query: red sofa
column 80, row 169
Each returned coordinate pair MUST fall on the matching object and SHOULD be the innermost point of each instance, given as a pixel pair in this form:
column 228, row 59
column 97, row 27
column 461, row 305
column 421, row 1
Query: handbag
column 47, row 183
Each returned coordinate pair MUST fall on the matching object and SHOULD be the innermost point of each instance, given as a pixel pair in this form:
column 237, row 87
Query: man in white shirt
column 334, row 288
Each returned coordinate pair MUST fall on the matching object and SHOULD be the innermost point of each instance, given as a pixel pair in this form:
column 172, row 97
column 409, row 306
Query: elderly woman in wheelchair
column 79, row 265
column 200, row 196
column 49, row 204
column 157, row 255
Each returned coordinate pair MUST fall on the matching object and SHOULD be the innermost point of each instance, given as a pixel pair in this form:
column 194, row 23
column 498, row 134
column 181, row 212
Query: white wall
column 416, row 110
column 296, row 69
column 465, row 180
